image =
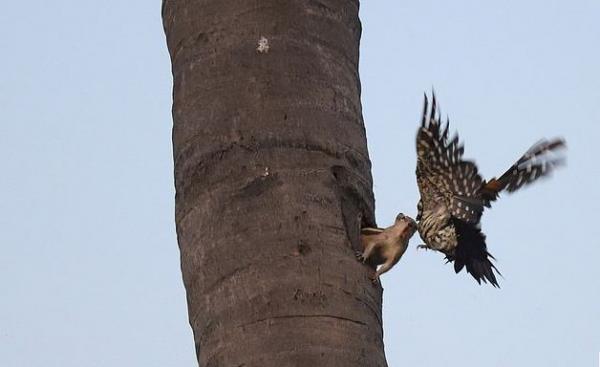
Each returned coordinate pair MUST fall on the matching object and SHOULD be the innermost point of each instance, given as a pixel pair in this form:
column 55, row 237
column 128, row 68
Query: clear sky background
column 89, row 267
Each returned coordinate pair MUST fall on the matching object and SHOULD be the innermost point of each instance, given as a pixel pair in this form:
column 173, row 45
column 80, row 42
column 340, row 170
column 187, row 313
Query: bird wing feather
column 440, row 162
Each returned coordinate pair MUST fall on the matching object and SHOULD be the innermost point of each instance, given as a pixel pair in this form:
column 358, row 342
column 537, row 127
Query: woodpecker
column 454, row 195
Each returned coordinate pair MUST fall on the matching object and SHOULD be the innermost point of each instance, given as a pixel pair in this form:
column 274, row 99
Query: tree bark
column 272, row 175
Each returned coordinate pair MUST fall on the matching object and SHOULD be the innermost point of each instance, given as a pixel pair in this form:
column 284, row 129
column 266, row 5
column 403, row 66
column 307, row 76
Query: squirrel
column 385, row 246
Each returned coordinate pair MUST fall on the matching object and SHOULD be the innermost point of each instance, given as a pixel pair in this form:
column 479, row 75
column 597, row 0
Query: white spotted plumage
column 454, row 195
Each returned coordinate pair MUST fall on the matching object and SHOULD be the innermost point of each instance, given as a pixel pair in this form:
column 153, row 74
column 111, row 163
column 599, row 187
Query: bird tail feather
column 538, row 161
column 471, row 253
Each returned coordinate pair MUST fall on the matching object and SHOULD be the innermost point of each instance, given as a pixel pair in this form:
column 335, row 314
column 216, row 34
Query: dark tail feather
column 538, row 161
column 472, row 253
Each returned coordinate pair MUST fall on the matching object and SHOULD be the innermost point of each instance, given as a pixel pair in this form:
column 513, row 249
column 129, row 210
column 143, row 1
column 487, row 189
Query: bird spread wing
column 454, row 194
column 439, row 160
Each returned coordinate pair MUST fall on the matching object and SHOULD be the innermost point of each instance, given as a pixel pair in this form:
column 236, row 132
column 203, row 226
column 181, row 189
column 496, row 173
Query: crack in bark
column 374, row 311
column 360, row 300
column 336, row 150
column 191, row 174
column 304, row 316
column 224, row 277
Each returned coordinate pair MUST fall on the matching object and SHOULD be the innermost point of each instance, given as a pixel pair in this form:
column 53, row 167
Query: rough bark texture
column 271, row 174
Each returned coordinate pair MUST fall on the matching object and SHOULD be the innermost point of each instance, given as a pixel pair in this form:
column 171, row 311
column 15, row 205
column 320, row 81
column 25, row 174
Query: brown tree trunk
column 271, row 174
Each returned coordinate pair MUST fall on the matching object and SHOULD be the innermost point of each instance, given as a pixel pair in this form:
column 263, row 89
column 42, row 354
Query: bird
column 385, row 246
column 453, row 195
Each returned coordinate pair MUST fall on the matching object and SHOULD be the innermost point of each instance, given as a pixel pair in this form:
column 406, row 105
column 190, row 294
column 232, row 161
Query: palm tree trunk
column 272, row 174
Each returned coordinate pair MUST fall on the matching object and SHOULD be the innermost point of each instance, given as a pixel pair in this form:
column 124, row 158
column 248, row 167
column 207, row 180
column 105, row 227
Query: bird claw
column 423, row 247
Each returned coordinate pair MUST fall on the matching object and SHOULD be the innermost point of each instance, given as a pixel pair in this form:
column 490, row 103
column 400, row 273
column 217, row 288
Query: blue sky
column 89, row 269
